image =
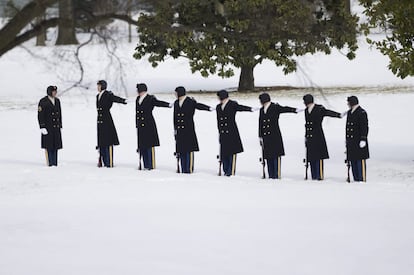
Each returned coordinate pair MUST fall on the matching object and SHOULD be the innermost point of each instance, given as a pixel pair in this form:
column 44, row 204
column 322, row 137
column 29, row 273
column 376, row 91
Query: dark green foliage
column 247, row 33
column 397, row 18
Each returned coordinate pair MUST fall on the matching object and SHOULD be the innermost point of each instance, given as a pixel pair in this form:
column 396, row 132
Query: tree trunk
column 41, row 37
column 246, row 81
column 66, row 33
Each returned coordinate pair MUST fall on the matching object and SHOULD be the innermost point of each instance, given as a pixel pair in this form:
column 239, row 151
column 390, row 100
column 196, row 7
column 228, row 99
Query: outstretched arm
column 286, row 109
column 202, row 107
column 330, row 113
column 118, row 99
column 159, row 103
column 243, row 108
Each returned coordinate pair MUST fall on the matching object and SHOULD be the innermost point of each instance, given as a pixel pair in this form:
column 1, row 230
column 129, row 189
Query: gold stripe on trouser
column 191, row 162
column 321, row 169
column 364, row 172
column 279, row 173
column 153, row 157
column 111, row 158
column 233, row 165
column 47, row 157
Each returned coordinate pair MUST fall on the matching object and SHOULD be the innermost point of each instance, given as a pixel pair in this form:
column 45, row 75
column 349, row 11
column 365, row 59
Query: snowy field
column 79, row 219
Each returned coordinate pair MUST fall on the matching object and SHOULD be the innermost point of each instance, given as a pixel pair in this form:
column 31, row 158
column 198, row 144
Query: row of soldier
column 50, row 122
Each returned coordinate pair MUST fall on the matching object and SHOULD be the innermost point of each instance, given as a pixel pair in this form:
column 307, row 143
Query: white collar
column 181, row 100
column 100, row 94
column 310, row 107
column 52, row 99
column 354, row 108
column 223, row 105
column 266, row 106
column 141, row 98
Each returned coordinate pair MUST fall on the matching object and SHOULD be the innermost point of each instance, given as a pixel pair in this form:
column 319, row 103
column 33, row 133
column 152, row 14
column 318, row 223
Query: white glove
column 170, row 105
column 344, row 114
column 126, row 101
column 212, row 109
column 299, row 110
column 362, row 143
column 43, row 131
column 254, row 109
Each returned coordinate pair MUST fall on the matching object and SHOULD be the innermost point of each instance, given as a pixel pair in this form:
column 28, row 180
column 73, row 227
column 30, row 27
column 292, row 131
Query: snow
column 79, row 219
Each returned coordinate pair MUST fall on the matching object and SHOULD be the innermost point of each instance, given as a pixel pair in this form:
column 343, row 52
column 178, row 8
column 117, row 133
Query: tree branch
column 45, row 24
column 26, row 15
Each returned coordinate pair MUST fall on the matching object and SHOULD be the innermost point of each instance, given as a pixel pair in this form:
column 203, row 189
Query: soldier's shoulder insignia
column 39, row 109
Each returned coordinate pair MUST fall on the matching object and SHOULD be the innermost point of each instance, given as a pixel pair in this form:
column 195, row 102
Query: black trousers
column 359, row 169
column 148, row 157
column 317, row 169
column 187, row 162
column 274, row 167
column 107, row 155
column 229, row 165
column 51, row 157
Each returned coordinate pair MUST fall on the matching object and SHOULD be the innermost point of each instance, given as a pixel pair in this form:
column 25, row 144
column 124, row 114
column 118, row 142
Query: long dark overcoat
column 269, row 130
column 49, row 116
column 315, row 138
column 185, row 135
column 107, row 134
column 356, row 131
column 145, row 122
column 229, row 137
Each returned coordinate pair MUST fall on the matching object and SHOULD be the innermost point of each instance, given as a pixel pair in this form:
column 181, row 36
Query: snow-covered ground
column 79, row 219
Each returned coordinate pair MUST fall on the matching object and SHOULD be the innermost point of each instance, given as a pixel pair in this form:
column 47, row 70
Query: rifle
column 348, row 164
column 262, row 160
column 140, row 156
column 220, row 163
column 177, row 156
column 306, row 162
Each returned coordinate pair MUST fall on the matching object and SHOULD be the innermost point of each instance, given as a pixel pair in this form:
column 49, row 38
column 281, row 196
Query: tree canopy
column 218, row 35
column 396, row 18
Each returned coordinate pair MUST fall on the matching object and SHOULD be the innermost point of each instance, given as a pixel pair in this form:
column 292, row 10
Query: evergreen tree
column 396, row 18
column 218, row 35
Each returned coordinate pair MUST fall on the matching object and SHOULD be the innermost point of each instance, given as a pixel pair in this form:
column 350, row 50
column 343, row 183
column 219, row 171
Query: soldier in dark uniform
column 185, row 136
column 107, row 136
column 316, row 149
column 50, row 122
column 270, row 135
column 145, row 124
column 229, row 137
column 357, row 151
